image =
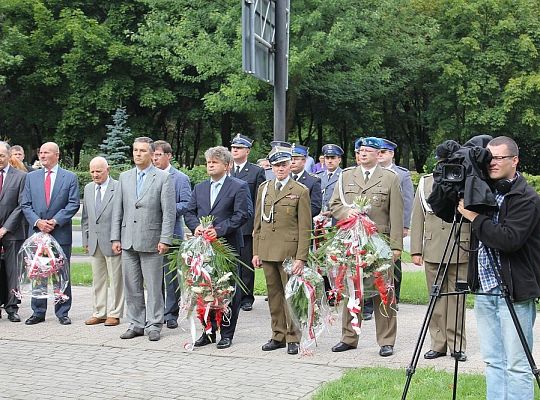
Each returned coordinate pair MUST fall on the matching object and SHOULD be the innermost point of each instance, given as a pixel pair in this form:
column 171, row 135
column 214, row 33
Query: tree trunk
column 197, row 141
column 226, row 129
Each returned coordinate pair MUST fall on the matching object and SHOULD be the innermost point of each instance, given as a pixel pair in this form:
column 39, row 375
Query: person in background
column 18, row 153
column 299, row 174
column 320, row 166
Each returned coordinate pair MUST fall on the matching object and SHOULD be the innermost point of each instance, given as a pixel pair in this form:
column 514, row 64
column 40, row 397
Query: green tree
column 114, row 146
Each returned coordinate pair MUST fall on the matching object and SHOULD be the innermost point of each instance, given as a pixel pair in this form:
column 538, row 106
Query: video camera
column 462, row 173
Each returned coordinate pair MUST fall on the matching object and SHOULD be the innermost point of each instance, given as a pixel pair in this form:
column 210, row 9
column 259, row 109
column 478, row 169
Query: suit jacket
column 96, row 229
column 288, row 233
column 182, row 188
column 407, row 191
column 140, row 224
column 254, row 176
column 429, row 233
column 63, row 205
column 232, row 208
column 313, row 183
column 384, row 194
column 327, row 186
column 11, row 215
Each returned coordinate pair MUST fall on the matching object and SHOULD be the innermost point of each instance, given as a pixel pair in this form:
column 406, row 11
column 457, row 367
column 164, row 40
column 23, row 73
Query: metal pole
column 280, row 71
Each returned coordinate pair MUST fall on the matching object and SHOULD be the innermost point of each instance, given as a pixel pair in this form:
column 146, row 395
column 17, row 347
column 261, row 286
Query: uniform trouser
column 141, row 269
column 283, row 328
column 247, row 276
column 385, row 325
column 61, row 309
column 442, row 327
column 110, row 267
column 10, row 275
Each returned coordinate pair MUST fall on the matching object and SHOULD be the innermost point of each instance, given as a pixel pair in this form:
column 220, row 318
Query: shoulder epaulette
column 348, row 168
column 314, row 175
column 402, row 168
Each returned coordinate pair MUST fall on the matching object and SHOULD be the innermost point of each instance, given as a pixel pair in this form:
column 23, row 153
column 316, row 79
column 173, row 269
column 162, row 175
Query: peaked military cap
column 299, row 151
column 388, row 145
column 279, row 154
column 242, row 141
column 280, row 143
column 332, row 150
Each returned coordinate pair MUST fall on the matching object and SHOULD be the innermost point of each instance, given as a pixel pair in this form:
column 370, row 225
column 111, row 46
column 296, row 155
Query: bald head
column 49, row 154
column 99, row 170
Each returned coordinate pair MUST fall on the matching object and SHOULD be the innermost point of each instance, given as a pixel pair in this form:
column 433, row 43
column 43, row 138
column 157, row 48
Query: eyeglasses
column 363, row 150
column 500, row 158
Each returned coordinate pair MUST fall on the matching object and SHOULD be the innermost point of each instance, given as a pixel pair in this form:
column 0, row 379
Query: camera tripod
column 460, row 290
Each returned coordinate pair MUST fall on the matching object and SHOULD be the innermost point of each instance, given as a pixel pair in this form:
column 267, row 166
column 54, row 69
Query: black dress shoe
column 130, row 334
column 64, row 320
column 338, row 348
column 430, row 355
column 224, row 343
column 205, row 339
column 172, row 324
column 246, row 307
column 386, row 350
column 292, row 348
column 367, row 317
column 459, row 355
column 14, row 317
column 273, row 345
column 34, row 319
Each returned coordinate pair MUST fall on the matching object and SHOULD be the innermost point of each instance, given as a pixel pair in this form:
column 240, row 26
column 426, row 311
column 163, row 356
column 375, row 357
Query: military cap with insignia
column 388, row 145
column 332, row 150
column 280, row 143
column 279, row 154
column 371, row 141
column 242, row 141
column 299, row 151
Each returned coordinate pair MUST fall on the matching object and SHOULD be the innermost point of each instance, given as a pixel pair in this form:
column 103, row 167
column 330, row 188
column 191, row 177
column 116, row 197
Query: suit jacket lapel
column 285, row 191
column 58, row 183
column 107, row 197
column 148, row 181
column 224, row 189
column 376, row 178
column 359, row 178
column 243, row 172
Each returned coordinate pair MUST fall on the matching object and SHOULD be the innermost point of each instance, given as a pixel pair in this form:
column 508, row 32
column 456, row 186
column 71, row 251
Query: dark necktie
column 295, row 177
column 98, row 199
column 330, row 176
column 366, row 179
column 48, row 188
column 1, row 179
column 278, row 186
column 236, row 171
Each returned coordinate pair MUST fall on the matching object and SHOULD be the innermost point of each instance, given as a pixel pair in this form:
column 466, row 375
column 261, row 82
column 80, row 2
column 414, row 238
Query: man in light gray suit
column 143, row 221
column 12, row 232
column 96, row 229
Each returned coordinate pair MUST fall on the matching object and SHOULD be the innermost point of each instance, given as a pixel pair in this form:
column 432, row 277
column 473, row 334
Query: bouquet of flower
column 306, row 300
column 208, row 272
column 42, row 265
column 358, row 262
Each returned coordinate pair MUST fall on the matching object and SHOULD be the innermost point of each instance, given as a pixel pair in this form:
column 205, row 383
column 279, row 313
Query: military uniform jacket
column 313, row 183
column 288, row 232
column 327, row 186
column 383, row 192
column 429, row 233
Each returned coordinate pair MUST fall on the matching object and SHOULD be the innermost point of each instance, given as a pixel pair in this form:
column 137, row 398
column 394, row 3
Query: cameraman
column 511, row 236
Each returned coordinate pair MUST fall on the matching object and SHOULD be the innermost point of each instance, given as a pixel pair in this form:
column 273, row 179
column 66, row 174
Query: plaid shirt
column 486, row 274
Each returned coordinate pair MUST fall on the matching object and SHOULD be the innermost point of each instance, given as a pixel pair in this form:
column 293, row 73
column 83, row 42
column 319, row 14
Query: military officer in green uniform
column 429, row 235
column 381, row 187
column 281, row 229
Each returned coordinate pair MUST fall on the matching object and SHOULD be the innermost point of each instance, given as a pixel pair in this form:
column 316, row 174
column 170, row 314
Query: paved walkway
column 95, row 363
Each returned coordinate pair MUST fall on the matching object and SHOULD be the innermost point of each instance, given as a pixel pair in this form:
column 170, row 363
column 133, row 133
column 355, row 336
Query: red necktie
column 48, row 188
column 1, row 179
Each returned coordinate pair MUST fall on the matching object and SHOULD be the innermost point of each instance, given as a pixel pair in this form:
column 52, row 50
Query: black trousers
column 247, row 276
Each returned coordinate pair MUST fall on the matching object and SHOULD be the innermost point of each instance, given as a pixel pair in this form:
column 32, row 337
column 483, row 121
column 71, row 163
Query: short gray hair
column 510, row 144
column 6, row 145
column 146, row 139
column 219, row 153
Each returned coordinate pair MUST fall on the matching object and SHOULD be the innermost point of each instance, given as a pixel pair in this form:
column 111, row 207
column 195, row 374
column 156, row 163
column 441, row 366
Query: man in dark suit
column 182, row 188
column 12, row 232
column 50, row 200
column 254, row 176
column 142, row 230
column 96, row 229
column 228, row 201
column 299, row 174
